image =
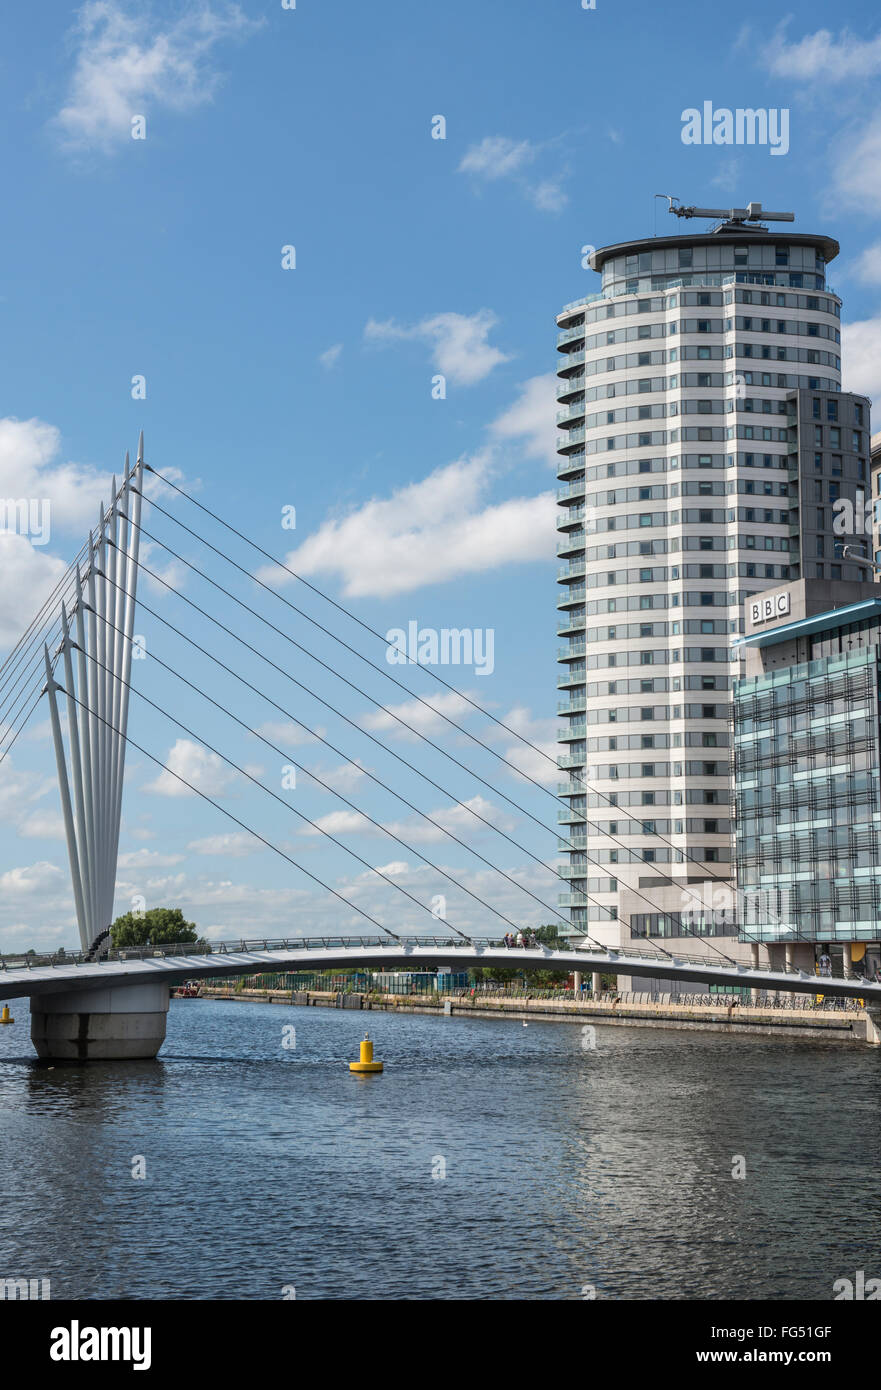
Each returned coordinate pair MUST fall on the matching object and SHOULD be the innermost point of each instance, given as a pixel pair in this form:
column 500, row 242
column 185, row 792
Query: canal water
column 490, row 1160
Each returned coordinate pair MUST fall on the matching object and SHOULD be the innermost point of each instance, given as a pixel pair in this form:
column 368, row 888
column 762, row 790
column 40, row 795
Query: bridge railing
column 531, row 957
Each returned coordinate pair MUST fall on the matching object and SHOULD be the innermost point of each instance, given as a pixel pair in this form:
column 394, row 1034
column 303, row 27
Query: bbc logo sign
column 765, row 608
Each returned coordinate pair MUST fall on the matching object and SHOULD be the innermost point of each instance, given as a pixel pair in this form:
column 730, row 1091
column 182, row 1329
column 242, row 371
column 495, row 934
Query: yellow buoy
column 4, row 1016
column 366, row 1062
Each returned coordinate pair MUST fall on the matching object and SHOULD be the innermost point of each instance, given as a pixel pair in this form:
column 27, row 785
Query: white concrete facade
column 674, row 503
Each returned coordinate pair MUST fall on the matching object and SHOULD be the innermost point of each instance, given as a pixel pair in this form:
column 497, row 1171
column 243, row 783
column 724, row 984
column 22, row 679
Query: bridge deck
column 43, row 974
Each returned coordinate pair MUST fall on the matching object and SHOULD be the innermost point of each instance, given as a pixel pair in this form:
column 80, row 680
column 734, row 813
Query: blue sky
column 311, row 387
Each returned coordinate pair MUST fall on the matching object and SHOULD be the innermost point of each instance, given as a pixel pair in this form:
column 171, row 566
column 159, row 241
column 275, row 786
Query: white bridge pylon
column 95, row 669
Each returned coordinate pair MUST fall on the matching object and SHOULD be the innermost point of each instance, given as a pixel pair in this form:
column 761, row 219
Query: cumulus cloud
column 536, row 755
column 205, row 771
column 426, row 717
column 127, row 64
column 459, row 342
column 235, row 845
column 819, row 60
column 30, row 467
column 288, row 734
column 27, row 577
column 50, row 496
column 498, row 157
column 532, row 418
column 861, row 356
column 428, row 532
column 856, row 176
column 344, row 778
column 148, row 859
column 338, row 823
column 822, row 56
column 867, row 266
column 462, row 820
column 31, row 879
column 42, row 825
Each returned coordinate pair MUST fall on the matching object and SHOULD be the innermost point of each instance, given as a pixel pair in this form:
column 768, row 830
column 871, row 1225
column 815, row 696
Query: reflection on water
column 268, row 1166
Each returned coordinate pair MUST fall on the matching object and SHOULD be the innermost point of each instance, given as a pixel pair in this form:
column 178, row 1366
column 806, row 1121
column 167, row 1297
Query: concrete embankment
column 821, row 1024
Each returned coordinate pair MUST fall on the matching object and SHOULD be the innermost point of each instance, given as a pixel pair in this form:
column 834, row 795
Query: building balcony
column 574, row 872
column 572, row 651
column 569, row 733
column 569, row 335
column 568, row 464
column 572, row 706
column 573, row 571
column 577, row 840
column 567, row 764
column 574, row 594
column 567, row 384
column 571, row 544
column 575, row 489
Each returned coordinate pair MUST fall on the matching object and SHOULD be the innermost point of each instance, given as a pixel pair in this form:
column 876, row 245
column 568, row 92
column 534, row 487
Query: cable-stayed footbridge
column 78, row 653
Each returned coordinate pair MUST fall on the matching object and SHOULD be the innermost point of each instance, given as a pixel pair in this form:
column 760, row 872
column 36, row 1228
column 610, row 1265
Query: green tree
column 160, row 926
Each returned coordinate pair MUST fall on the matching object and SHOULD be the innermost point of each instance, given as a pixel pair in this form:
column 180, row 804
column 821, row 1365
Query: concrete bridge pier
column 123, row 1023
column 872, row 1025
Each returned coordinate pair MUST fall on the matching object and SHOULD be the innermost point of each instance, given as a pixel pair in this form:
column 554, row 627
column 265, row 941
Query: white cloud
column 548, row 195
column 425, row 718
column 288, row 734
column 428, row 533
column 27, row 577
column 344, row 778
column 398, row 868
column 331, row 356
column 61, row 497
column 148, row 859
column 819, row 60
column 861, row 356
column 235, row 845
column 339, row 823
column 204, row 770
column 463, row 820
column 821, row 56
column 460, row 349
column 536, row 755
column 20, row 791
column 867, row 266
column 126, row 65
column 498, row 157
column 34, row 878
column 856, row 177
column 42, row 825
column 532, row 418
column 29, row 468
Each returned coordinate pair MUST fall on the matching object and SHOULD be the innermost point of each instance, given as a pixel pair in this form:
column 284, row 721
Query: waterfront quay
column 798, row 1016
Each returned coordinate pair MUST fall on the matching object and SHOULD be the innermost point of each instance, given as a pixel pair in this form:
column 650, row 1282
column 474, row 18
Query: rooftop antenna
column 671, row 199
column 753, row 212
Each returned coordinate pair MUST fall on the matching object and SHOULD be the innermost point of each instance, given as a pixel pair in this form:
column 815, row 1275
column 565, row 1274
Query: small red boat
column 191, row 990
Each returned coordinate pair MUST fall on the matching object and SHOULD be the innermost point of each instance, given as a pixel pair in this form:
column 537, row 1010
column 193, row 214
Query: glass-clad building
column 807, row 778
